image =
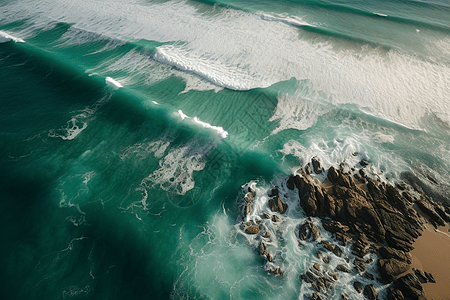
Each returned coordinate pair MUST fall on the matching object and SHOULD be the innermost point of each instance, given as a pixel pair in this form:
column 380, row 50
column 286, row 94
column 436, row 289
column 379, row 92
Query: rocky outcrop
column 317, row 167
column 276, row 205
column 374, row 217
column 391, row 268
column 410, row 286
column 308, row 231
column 370, row 293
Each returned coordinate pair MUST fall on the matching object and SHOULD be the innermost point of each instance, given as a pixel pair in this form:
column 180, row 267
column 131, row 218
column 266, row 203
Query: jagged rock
column 441, row 212
column 358, row 286
column 342, row 268
column 430, row 277
column 307, row 170
column 389, row 252
column 252, row 191
column 254, row 229
column 334, row 226
column 317, row 167
column 326, row 259
column 428, row 209
column 363, row 163
column 390, row 268
column 334, row 276
column 411, row 287
column 316, row 266
column 343, row 238
column 398, row 244
column 359, row 264
column 275, row 218
column 307, row 194
column 248, row 209
column 308, row 277
column 309, row 231
column 369, row 276
column 360, row 247
column 316, row 296
column 339, row 178
column 266, row 215
column 420, row 275
column 267, row 235
column 344, row 296
column 394, row 294
column 370, row 293
column 276, row 205
column 277, row 271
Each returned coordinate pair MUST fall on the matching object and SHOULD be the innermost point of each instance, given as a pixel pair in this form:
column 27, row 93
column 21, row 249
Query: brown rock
column 254, row 229
column 276, row 205
column 390, row 268
column 309, row 231
column 430, row 277
column 308, row 277
column 369, row 276
column 316, row 165
column 389, row 252
column 316, row 266
column 326, row 260
column 394, row 294
column 342, row 268
column 248, row 209
column 411, row 287
column 334, row 226
column 358, row 286
column 277, row 271
column 266, row 215
column 316, row 296
column 339, row 178
column 428, row 209
column 275, row 218
column 370, row 293
column 420, row 275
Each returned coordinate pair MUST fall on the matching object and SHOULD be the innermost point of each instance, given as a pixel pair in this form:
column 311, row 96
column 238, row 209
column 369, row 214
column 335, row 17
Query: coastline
column 394, row 252
column 431, row 254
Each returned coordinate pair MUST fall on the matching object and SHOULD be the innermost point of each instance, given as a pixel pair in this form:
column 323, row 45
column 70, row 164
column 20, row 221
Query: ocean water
column 130, row 131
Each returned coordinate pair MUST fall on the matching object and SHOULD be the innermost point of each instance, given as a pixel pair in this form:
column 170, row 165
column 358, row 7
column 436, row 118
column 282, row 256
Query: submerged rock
column 253, row 229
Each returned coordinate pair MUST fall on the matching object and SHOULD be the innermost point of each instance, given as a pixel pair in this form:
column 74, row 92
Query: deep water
column 129, row 130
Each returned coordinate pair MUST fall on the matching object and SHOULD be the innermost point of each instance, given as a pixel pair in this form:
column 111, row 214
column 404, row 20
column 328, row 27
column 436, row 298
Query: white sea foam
column 220, row 132
column 79, row 122
column 176, row 169
column 297, row 112
column 113, row 83
column 6, row 37
column 284, row 18
column 241, row 50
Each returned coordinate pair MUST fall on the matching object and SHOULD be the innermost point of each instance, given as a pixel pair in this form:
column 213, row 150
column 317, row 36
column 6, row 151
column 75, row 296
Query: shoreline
column 386, row 227
column 432, row 254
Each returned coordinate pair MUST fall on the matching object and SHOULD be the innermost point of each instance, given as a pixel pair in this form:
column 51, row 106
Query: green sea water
column 130, row 129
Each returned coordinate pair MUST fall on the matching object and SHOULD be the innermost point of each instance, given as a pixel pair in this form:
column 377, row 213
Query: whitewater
column 131, row 131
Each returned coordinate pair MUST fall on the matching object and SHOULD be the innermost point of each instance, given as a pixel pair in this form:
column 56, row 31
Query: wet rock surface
column 369, row 217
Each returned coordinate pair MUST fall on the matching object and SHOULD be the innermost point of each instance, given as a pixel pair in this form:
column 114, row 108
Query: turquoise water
column 129, row 131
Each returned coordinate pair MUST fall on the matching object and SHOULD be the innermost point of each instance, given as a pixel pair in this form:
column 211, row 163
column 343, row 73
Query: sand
column 432, row 254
